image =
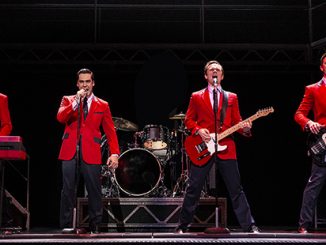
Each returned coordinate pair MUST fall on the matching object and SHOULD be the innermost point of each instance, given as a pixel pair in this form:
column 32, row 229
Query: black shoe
column 302, row 230
column 254, row 229
column 68, row 231
column 94, row 229
column 73, row 231
column 181, row 230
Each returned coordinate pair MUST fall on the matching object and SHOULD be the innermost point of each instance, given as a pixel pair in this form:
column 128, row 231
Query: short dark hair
column 322, row 58
column 85, row 71
column 212, row 62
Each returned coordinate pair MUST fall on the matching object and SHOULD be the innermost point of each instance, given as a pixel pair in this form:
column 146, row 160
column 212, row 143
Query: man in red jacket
column 84, row 115
column 5, row 121
column 199, row 120
column 313, row 101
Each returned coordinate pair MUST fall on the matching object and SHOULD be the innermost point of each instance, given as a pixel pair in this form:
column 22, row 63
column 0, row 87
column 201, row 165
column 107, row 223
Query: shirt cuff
column 306, row 127
column 74, row 105
column 196, row 131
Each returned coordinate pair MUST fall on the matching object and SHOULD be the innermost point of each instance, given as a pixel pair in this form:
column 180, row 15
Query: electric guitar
column 200, row 152
column 317, row 147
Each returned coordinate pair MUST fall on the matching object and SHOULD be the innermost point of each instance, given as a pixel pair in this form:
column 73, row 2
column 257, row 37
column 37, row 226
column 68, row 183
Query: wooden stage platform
column 267, row 236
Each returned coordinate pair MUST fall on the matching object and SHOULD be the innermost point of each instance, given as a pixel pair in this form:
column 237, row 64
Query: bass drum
column 138, row 173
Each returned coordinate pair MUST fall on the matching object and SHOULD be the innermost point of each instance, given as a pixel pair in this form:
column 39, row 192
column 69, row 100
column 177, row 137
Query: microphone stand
column 74, row 229
column 217, row 229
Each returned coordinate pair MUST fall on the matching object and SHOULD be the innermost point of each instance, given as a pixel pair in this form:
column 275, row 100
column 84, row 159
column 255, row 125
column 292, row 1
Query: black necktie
column 85, row 107
column 215, row 100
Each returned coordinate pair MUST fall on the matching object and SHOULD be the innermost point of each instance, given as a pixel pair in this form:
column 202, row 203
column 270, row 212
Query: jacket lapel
column 207, row 102
column 220, row 103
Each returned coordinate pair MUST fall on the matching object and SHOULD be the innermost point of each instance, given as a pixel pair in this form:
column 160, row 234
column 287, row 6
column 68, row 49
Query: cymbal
column 179, row 116
column 124, row 125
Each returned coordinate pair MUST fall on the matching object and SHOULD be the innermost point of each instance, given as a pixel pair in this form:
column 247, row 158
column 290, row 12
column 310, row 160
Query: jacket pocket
column 97, row 140
column 65, row 136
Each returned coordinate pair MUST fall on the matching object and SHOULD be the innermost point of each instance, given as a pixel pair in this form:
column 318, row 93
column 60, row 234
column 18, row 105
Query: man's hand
column 81, row 94
column 314, row 127
column 204, row 134
column 246, row 126
column 113, row 162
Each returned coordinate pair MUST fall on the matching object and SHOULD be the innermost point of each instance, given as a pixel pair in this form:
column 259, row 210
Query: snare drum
column 156, row 137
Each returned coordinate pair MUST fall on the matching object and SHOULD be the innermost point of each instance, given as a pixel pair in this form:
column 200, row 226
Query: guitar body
column 200, row 152
column 317, row 147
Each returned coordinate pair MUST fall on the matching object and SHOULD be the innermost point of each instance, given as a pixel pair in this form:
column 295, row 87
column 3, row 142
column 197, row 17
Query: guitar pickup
column 201, row 147
column 318, row 148
column 203, row 156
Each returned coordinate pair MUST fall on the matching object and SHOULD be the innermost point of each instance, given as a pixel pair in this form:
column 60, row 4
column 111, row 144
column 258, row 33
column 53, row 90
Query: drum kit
column 143, row 165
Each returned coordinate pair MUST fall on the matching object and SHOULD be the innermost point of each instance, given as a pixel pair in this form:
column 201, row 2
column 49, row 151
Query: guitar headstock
column 265, row 111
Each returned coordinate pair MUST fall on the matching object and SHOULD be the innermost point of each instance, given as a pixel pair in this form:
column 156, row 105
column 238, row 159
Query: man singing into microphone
column 204, row 106
column 84, row 116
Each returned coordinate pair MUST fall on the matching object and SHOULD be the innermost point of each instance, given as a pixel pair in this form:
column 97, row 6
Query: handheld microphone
column 215, row 80
column 85, row 93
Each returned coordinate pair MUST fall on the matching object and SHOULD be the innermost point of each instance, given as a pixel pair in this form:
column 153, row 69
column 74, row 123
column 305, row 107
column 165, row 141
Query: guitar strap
column 224, row 106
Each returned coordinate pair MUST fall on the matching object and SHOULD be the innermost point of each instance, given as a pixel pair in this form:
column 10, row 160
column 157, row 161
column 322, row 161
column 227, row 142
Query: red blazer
column 200, row 114
column 5, row 121
column 99, row 115
column 314, row 100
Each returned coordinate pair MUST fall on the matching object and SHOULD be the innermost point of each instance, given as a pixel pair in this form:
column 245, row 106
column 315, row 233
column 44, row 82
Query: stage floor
column 268, row 235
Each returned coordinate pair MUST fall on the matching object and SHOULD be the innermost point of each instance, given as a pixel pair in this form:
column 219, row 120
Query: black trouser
column 310, row 195
column 91, row 175
column 231, row 176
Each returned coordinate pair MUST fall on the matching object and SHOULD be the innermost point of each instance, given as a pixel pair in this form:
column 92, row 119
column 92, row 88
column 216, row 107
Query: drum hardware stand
column 166, row 192
column 136, row 135
column 180, row 186
column 181, row 183
column 113, row 187
column 162, row 190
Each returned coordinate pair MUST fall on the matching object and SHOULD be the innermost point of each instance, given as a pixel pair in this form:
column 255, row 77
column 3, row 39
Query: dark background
column 148, row 57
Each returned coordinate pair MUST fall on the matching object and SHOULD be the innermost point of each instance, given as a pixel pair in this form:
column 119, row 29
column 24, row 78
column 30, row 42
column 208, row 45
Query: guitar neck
column 236, row 127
